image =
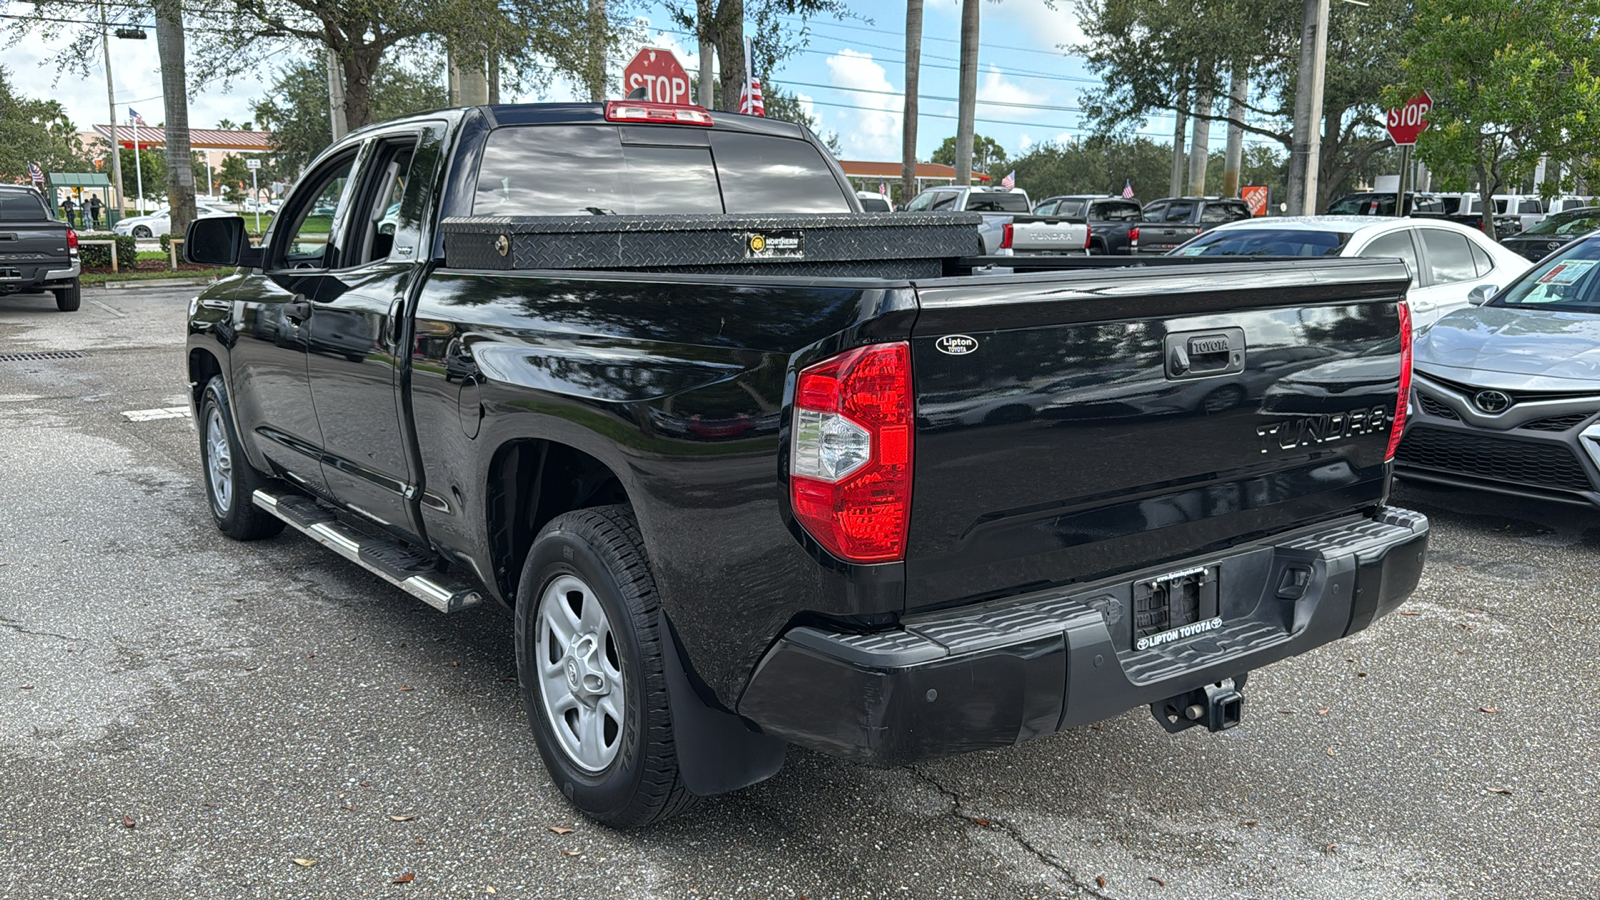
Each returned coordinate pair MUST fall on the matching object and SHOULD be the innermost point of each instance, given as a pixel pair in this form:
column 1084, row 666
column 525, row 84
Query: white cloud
column 1031, row 22
column 994, row 87
column 872, row 133
column 1024, row 141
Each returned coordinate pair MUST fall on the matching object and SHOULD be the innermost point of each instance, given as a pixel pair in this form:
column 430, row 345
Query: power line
column 921, row 96
column 928, row 37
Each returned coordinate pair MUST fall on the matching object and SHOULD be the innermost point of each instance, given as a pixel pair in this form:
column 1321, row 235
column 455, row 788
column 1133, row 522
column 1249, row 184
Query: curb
column 149, row 282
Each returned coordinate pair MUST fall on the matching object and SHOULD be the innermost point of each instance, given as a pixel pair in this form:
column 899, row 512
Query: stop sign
column 660, row 73
column 1410, row 120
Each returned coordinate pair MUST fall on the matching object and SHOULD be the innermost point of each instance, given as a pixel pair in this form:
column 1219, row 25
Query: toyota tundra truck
column 731, row 455
column 38, row 252
column 1007, row 227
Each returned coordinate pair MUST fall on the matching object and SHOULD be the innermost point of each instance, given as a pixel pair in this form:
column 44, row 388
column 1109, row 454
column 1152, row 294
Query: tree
column 1143, row 49
column 295, row 110
column 531, row 35
column 908, row 119
column 152, row 171
column 36, row 131
column 967, row 96
column 175, row 99
column 1511, row 81
column 986, row 155
column 722, row 24
column 1094, row 165
column 234, row 176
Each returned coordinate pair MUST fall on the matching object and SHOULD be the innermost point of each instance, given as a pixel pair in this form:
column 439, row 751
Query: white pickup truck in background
column 1009, row 227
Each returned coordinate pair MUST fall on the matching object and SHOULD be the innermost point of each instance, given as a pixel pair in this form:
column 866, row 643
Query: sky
column 851, row 77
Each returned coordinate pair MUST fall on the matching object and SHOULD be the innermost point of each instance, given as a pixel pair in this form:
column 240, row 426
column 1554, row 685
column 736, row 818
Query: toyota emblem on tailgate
column 1492, row 402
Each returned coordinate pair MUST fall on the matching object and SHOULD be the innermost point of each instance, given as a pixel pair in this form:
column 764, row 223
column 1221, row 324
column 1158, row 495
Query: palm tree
column 968, row 97
column 174, row 92
column 908, row 131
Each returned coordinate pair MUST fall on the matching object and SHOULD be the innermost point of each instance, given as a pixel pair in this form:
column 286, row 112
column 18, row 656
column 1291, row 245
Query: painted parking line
column 150, row 415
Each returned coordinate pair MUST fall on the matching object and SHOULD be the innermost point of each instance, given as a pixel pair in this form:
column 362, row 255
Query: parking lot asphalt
column 184, row 716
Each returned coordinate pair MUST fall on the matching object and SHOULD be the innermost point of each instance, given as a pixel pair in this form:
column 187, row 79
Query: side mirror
column 1482, row 294
column 219, row 241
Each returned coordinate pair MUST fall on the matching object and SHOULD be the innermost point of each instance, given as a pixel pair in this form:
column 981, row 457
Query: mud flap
column 718, row 751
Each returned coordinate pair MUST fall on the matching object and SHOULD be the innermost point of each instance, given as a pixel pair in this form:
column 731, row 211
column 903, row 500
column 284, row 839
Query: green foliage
column 1511, row 80
column 986, row 154
column 36, row 131
column 151, row 172
column 295, row 110
column 98, row 256
column 1154, row 55
column 1095, row 165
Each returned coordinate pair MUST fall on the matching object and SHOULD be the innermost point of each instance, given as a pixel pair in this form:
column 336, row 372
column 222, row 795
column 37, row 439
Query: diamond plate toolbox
column 828, row 244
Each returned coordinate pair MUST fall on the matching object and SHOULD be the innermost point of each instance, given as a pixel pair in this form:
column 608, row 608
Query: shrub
column 98, row 256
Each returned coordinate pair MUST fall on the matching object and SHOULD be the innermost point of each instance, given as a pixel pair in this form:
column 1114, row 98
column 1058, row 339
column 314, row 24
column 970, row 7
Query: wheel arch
column 531, row 481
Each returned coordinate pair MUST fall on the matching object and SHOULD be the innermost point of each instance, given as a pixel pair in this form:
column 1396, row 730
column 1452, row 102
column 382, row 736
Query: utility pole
column 1306, row 157
column 1200, row 143
column 1233, row 158
column 1175, row 184
column 111, row 106
column 336, row 96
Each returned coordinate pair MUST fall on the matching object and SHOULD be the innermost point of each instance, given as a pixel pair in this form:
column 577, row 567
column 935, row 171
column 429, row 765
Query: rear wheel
column 590, row 666
column 230, row 481
column 70, row 297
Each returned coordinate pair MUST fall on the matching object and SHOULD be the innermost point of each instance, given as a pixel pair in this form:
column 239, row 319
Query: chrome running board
column 402, row 567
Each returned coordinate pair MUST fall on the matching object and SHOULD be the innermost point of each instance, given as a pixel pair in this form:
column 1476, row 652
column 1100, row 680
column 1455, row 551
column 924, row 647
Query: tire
column 140, row 231
column 69, row 298
column 596, row 697
column 229, row 479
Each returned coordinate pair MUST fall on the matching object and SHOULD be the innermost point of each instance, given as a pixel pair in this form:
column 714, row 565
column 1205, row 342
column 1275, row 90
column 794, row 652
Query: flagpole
column 138, row 174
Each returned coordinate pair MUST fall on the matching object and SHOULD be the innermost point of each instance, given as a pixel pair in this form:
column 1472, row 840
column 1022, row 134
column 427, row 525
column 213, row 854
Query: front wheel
column 590, row 667
column 69, row 298
column 229, row 479
column 139, row 231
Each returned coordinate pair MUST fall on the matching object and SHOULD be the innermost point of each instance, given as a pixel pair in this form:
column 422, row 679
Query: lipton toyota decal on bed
column 956, row 344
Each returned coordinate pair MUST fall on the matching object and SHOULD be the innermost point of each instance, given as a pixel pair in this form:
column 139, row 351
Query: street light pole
column 1305, row 159
column 111, row 104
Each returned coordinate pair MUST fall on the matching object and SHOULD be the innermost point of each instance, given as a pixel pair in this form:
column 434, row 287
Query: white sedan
column 1447, row 261
column 160, row 222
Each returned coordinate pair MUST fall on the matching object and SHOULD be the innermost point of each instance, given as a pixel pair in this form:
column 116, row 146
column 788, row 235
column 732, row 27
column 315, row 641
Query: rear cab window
column 996, row 201
column 610, row 170
column 1115, row 211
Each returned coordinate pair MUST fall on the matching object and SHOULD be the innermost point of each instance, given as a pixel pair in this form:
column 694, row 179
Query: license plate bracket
column 1175, row 606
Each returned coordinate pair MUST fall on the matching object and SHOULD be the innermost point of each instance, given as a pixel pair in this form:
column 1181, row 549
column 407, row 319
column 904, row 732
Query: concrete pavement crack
column 1044, row 856
column 19, row 629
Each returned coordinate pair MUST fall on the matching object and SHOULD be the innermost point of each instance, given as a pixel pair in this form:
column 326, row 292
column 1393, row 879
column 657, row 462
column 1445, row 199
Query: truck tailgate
column 1071, row 426
column 29, row 249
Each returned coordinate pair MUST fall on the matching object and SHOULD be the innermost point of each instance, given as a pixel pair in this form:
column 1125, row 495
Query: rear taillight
column 1005, row 237
column 1398, row 429
column 661, row 113
column 72, row 239
column 1087, row 231
column 850, row 472
column 1133, row 236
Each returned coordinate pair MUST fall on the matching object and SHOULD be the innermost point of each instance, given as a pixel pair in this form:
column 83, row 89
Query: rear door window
column 1397, row 243
column 945, row 200
column 1047, row 208
column 1116, row 211
column 1449, row 256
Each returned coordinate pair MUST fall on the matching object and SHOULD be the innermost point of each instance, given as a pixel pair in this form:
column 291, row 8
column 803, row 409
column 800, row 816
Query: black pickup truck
column 38, row 252
column 750, row 467
column 1174, row 220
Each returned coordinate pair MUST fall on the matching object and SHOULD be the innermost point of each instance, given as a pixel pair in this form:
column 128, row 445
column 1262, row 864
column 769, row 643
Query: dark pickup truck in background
column 1448, row 207
column 751, row 467
column 1113, row 221
column 1174, row 220
column 38, row 252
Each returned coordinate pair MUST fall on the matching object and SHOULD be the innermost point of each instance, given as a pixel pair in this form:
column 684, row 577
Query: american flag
column 1010, row 181
column 883, row 188
column 750, row 102
column 1127, row 190
column 137, row 119
column 35, row 173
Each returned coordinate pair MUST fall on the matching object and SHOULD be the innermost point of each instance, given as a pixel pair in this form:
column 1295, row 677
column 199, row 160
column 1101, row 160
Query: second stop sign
column 660, row 73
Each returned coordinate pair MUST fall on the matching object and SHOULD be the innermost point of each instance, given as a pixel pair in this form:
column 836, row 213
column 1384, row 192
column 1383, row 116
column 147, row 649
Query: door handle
column 297, row 310
column 397, row 329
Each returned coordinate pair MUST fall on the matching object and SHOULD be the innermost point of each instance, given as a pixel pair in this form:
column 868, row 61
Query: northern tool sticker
column 774, row 245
